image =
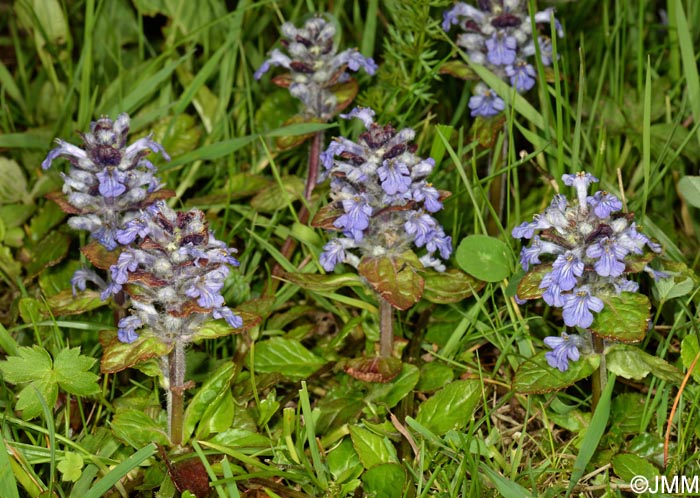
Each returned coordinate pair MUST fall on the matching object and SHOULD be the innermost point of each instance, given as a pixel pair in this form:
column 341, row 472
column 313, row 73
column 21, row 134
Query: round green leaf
column 536, row 376
column 385, row 481
column 451, row 407
column 484, row 257
column 633, row 363
column 395, row 279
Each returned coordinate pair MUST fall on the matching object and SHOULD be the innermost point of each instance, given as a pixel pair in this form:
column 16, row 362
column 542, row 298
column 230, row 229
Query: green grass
column 622, row 101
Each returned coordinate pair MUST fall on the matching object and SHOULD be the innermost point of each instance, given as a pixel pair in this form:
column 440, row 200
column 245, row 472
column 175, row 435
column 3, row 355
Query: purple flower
column 580, row 181
column 364, row 114
column 429, row 196
column 82, row 276
column 440, row 242
column 460, row 9
column 421, row 227
column 207, row 290
column 610, row 255
column 522, row 75
column 502, row 50
column 485, row 103
column 277, row 58
column 395, row 177
column 578, row 306
column 355, row 60
column 564, row 348
column 333, row 253
column 112, row 289
column 132, row 229
column 604, row 203
column 356, row 217
column 231, row 318
column 552, row 294
column 125, row 264
column 127, row 328
column 565, row 269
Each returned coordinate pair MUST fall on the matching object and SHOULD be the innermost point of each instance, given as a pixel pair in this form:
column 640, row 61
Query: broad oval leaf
column 391, row 393
column 138, row 429
column 484, row 257
column 450, row 408
column 287, row 357
column 65, row 303
column 374, row 369
column 211, row 394
column 690, row 349
column 99, row 256
column 395, row 279
column 386, row 480
column 372, row 448
column 458, row 69
column 633, row 363
column 326, row 216
column 689, row 188
column 213, row 329
column 49, row 252
column 450, row 286
column 535, row 376
column 624, row 318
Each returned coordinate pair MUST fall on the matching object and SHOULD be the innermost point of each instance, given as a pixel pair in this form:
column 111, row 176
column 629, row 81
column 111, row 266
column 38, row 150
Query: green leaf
column 689, row 351
column 627, row 466
column 49, row 252
column 13, row 184
column 8, row 484
column 484, row 257
column 536, row 376
column 670, row 288
column 213, row 329
column 689, row 188
column 323, row 283
column 287, row 357
column 391, row 393
column 276, row 197
column 450, row 286
column 72, row 372
column 343, row 462
column 27, row 365
column 433, row 376
column 371, row 448
column 386, row 480
column 211, row 394
column 71, row 466
column 178, row 135
column 624, row 318
column 28, row 401
column 450, row 408
column 395, row 279
column 138, row 429
column 118, row 356
column 633, row 363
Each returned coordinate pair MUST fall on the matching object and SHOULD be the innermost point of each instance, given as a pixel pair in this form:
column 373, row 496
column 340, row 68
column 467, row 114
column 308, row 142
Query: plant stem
column 176, row 392
column 386, row 328
column 600, row 376
column 314, row 156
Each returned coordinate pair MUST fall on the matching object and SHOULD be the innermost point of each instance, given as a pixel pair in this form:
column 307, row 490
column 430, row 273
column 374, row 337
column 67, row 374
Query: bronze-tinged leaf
column 458, row 69
column 187, row 475
column 213, row 329
column 529, row 287
column 395, row 279
column 65, row 303
column 450, row 286
column 188, row 308
column 99, row 256
column 146, row 278
column 487, row 129
column 158, row 195
column 376, row 369
column 261, row 306
column 291, row 141
column 118, row 356
column 283, row 80
column 634, row 263
column 345, row 93
column 60, row 199
column 326, row 216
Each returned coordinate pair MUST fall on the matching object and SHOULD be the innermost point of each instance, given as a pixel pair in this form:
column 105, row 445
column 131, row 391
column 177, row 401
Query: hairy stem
column 176, row 392
column 314, row 156
column 600, row 376
column 386, row 328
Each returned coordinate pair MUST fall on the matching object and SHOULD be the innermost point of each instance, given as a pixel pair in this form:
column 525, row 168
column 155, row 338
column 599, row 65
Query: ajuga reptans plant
column 315, row 66
column 498, row 35
column 382, row 206
column 588, row 249
column 174, row 271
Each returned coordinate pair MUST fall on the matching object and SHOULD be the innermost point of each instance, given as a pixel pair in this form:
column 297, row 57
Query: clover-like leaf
column 484, row 257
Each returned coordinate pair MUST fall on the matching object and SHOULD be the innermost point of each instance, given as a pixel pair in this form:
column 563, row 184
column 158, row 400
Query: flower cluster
column 314, row 65
column 498, row 35
column 108, row 182
column 378, row 184
column 589, row 244
column 174, row 271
